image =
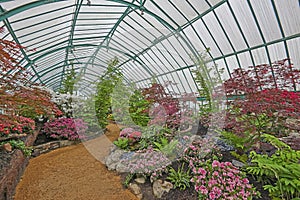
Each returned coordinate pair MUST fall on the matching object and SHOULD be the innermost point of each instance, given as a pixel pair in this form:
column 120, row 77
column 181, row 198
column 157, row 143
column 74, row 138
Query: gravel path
column 71, row 173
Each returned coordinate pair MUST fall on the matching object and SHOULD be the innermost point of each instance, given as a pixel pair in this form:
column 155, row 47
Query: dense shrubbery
column 65, row 128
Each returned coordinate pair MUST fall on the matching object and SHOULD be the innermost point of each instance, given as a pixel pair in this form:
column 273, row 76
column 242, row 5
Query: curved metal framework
column 150, row 38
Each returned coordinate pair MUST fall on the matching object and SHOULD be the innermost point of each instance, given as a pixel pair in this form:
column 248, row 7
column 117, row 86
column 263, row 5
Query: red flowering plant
column 18, row 127
column 263, row 103
column 65, row 128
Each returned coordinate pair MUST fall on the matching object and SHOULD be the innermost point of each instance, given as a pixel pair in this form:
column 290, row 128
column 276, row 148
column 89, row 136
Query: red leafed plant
column 19, row 96
column 267, row 100
column 165, row 107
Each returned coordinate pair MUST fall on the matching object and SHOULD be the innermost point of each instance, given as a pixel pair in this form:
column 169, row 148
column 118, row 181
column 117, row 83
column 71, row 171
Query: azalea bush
column 221, row 180
column 65, row 128
column 19, row 125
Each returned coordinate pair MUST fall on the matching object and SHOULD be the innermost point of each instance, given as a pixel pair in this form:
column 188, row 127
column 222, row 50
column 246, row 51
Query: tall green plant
column 69, row 82
column 104, row 89
column 208, row 80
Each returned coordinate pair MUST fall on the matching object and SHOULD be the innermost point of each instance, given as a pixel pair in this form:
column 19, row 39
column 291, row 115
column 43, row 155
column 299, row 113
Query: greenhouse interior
column 150, row 99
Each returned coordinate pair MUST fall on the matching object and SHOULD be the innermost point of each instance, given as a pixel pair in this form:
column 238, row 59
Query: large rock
column 140, row 180
column 160, row 187
column 7, row 147
column 114, row 160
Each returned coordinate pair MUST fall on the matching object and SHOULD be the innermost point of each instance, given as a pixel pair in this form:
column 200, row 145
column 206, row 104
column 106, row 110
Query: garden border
column 11, row 174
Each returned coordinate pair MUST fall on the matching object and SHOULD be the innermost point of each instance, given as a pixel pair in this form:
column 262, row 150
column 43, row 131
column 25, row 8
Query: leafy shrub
column 282, row 169
column 122, row 143
column 221, row 180
column 105, row 87
column 139, row 108
column 180, row 178
column 65, row 128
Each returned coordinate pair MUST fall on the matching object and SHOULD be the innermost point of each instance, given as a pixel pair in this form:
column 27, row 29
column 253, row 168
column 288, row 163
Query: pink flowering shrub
column 221, row 180
column 200, row 150
column 130, row 134
column 65, row 128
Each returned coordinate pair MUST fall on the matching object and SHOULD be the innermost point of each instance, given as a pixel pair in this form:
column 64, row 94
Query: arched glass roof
column 151, row 38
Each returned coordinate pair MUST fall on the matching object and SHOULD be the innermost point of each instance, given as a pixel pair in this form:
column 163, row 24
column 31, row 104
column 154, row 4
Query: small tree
column 105, row 87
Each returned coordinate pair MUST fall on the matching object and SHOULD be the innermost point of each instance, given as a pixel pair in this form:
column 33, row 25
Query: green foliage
column 19, row 144
column 169, row 149
column 161, row 144
column 238, row 142
column 87, row 113
column 69, row 82
column 105, row 87
column 208, row 80
column 128, row 179
column 180, row 178
column 249, row 135
column 122, row 143
column 243, row 158
column 138, row 108
column 129, row 106
column 282, row 169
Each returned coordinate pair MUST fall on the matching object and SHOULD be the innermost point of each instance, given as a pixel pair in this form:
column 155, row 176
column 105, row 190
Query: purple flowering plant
column 65, row 128
column 147, row 162
column 200, row 150
column 221, row 180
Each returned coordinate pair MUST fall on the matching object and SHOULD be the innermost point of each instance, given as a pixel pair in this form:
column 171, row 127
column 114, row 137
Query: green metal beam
column 107, row 38
column 57, row 66
column 71, row 37
column 7, row 14
column 139, row 7
column 282, row 35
